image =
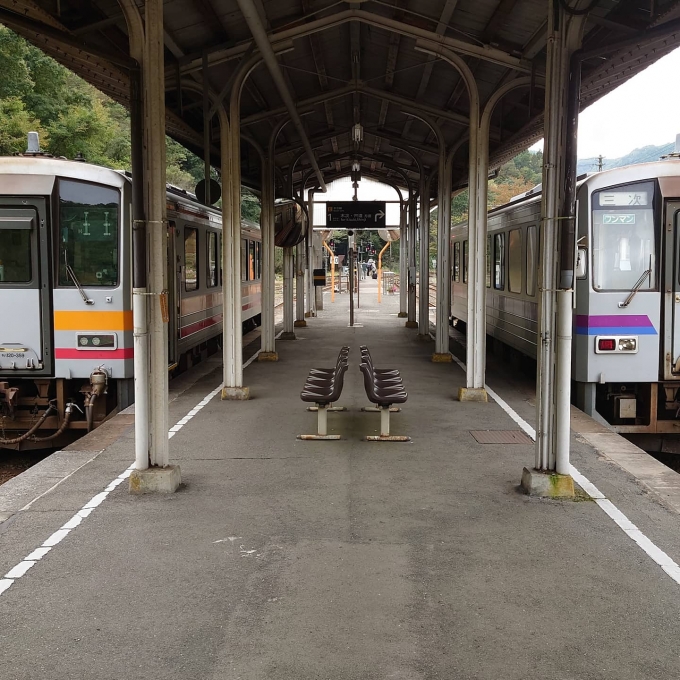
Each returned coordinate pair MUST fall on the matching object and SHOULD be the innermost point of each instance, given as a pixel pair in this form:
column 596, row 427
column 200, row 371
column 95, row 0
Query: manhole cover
column 501, row 437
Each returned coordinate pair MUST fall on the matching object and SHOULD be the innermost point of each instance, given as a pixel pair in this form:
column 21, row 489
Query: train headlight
column 627, row 344
column 616, row 343
column 100, row 341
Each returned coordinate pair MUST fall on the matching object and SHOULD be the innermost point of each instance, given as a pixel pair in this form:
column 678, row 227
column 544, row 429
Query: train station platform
column 288, row 559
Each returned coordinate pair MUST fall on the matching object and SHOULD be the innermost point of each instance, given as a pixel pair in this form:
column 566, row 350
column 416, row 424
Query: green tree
column 16, row 78
column 16, row 124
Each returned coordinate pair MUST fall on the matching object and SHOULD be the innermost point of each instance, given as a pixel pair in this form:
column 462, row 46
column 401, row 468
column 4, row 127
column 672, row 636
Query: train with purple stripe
column 626, row 349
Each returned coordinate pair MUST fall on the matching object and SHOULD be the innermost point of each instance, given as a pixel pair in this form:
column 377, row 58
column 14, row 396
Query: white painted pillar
column 412, row 259
column 554, row 158
column 232, row 323
column 154, row 110
column 300, row 285
column 403, row 263
column 424, row 228
column 268, row 346
column 288, row 311
column 443, row 309
column 318, row 264
column 310, row 307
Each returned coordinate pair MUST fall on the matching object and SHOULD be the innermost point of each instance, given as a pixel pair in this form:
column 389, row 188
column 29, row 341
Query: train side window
column 15, row 253
column 251, row 260
column 190, row 259
column 258, row 260
column 212, row 259
column 499, row 262
column 244, row 259
column 219, row 258
column 488, row 261
column 515, row 261
column 532, row 261
column 466, row 259
column 456, row 261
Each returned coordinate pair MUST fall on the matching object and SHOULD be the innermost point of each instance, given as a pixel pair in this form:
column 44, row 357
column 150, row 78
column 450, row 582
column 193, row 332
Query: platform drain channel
column 501, row 437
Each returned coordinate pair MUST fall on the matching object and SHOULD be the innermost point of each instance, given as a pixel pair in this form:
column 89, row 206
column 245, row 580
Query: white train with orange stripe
column 66, row 340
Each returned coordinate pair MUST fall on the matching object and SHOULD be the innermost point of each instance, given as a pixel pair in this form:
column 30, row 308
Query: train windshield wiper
column 72, row 275
column 636, row 287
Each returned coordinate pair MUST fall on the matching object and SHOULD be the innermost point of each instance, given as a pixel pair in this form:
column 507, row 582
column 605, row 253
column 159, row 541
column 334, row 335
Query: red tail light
column 606, row 344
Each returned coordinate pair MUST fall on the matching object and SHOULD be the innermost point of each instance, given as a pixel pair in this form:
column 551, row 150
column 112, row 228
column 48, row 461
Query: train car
column 66, row 338
column 626, row 348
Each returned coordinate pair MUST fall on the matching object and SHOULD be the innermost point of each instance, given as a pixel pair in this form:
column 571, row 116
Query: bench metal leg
column 385, row 435
column 322, row 426
column 377, row 409
column 330, row 408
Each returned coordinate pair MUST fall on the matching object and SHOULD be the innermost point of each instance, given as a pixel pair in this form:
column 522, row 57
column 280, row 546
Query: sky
column 644, row 110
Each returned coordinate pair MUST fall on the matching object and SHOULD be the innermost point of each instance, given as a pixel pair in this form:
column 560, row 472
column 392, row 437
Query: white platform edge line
column 653, row 551
column 20, row 569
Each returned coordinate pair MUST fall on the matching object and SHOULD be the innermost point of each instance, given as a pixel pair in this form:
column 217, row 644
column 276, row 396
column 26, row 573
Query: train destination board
column 356, row 214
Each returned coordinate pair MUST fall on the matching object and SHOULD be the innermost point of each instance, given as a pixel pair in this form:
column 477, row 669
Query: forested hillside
column 644, row 154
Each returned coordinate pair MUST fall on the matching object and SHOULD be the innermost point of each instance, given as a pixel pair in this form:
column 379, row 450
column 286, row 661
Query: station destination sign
column 356, row 214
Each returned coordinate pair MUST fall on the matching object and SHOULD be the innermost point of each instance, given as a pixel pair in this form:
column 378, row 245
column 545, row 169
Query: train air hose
column 38, row 423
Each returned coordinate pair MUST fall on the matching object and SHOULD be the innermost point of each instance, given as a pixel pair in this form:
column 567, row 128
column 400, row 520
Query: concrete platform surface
column 300, row 560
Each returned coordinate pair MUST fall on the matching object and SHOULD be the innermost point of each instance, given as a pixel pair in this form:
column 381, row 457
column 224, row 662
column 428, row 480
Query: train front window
column 624, row 237
column 88, row 234
column 15, row 255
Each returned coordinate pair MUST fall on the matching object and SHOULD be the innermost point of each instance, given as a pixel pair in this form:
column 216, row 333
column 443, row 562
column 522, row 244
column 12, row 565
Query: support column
column 424, row 229
column 403, row 264
column 288, row 311
column 310, row 306
column 443, row 311
column 161, row 476
column 232, row 323
column 300, row 285
column 551, row 475
column 411, row 244
column 157, row 230
column 318, row 264
column 268, row 346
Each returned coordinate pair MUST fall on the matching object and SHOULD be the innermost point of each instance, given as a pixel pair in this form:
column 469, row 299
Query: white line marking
column 658, row 555
column 58, row 536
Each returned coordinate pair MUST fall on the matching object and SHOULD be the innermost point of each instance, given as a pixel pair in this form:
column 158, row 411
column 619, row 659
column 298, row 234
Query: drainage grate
column 501, row 437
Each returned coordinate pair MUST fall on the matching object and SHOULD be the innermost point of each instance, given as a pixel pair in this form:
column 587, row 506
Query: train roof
column 596, row 180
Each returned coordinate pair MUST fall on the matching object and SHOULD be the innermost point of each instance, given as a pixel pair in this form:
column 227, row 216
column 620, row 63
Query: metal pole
column 403, row 263
column 268, row 347
column 424, row 297
column 139, row 282
column 332, row 261
column 385, row 247
column 441, row 350
column 411, row 240
column 310, row 309
column 288, row 266
column 300, row 285
column 563, row 382
column 154, row 80
column 351, row 284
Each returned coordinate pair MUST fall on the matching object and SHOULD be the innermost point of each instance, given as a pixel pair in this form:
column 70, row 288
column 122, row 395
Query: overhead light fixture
column 358, row 133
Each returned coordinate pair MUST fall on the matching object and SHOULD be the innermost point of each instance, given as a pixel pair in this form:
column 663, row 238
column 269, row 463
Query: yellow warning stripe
column 92, row 321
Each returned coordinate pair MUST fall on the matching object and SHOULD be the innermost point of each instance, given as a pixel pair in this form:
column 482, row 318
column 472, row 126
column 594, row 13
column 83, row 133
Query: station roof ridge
column 348, row 63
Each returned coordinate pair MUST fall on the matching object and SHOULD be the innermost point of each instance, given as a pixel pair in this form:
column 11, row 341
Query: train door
column 25, row 293
column 173, row 294
column 672, row 287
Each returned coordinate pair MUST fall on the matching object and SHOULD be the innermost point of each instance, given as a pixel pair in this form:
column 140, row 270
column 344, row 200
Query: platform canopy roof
column 353, row 62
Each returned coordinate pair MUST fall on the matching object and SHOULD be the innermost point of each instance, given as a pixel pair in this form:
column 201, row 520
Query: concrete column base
column 268, row 356
column 547, row 484
column 310, row 315
column 402, row 315
column 411, row 324
column 235, row 393
column 424, row 337
column 472, row 394
column 155, row 480
column 300, row 323
column 287, row 336
column 442, row 358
